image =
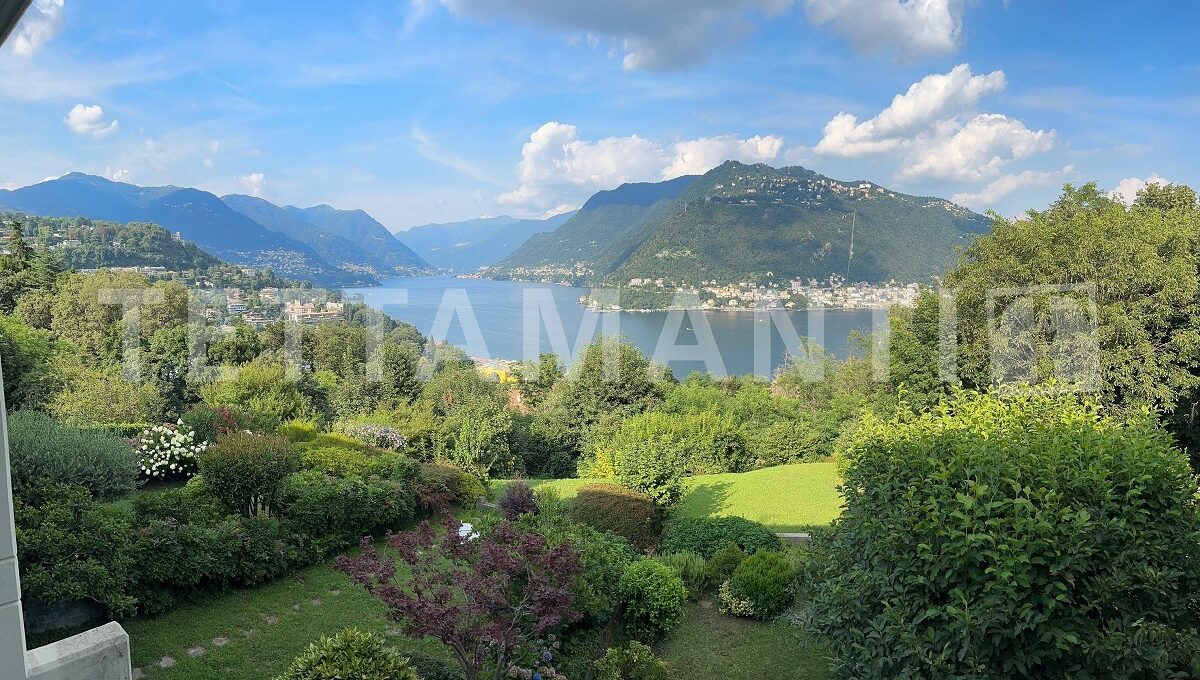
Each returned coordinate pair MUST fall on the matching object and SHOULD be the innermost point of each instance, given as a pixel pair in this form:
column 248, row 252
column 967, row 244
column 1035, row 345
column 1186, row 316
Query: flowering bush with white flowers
column 168, row 450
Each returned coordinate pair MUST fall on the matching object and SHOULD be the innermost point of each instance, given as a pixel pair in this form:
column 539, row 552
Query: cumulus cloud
column 937, row 130
column 558, row 169
column 658, row 34
column 977, row 150
column 89, row 120
column 1006, row 184
column 1128, row 188
column 907, row 28
column 255, row 184
column 927, row 104
column 41, row 23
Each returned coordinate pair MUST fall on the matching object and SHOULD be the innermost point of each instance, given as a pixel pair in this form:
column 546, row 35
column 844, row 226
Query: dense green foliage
column 723, row 563
column 246, row 471
column 622, row 511
column 767, row 580
column 692, row 569
column 705, row 536
column 45, row 452
column 350, row 655
column 634, row 661
column 652, row 599
column 1012, row 537
column 71, row 549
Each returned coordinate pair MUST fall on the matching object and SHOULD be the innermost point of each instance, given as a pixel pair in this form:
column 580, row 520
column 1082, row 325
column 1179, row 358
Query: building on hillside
column 310, row 313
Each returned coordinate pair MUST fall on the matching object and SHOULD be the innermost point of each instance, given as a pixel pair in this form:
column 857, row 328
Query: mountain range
column 466, row 246
column 321, row 244
column 742, row 222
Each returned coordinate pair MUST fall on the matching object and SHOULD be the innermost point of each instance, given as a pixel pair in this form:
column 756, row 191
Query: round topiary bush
column 706, row 535
column 350, row 655
column 767, row 580
column 246, row 471
column 721, row 565
column 624, row 512
column 1023, row 536
column 653, row 597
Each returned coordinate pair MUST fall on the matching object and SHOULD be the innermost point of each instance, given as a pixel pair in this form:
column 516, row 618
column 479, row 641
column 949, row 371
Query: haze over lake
column 452, row 309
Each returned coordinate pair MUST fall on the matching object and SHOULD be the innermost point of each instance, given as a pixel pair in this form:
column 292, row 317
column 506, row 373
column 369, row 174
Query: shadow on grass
column 702, row 500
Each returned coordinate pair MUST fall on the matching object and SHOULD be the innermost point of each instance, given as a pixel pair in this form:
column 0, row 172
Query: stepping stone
column 335, row 592
column 296, row 608
column 195, row 651
column 316, row 602
column 249, row 632
column 706, row 604
column 220, row 641
column 138, row 674
column 272, row 619
column 393, row 632
column 166, row 662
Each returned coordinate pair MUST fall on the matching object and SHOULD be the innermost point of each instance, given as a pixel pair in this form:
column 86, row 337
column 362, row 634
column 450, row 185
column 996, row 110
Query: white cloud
column 1006, row 184
column 558, row 169
column 927, row 103
column 936, row 130
column 651, row 34
column 698, row 156
column 89, row 120
column 1128, row 188
column 41, row 23
column 977, row 150
column 254, row 183
column 907, row 28
column 119, row 174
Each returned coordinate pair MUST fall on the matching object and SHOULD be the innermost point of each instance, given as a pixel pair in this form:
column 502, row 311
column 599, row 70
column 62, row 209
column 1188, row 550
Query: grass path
column 255, row 634
column 785, row 498
column 709, row 645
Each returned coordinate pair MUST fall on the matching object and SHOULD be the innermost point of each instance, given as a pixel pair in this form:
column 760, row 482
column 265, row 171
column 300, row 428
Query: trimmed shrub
column 1012, row 536
column 653, row 597
column 722, row 564
column 351, row 463
column 331, row 513
column 691, row 568
column 634, row 661
column 517, row 500
column 706, row 535
column 624, row 512
column 72, row 548
column 352, row 654
column 246, row 471
column 438, row 484
column 298, row 430
column 767, row 581
column 44, row 452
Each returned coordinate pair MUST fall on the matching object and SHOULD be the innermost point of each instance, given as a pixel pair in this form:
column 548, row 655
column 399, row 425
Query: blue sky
column 440, row 110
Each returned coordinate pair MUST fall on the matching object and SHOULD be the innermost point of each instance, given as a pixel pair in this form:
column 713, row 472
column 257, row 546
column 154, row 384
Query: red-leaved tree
column 488, row 599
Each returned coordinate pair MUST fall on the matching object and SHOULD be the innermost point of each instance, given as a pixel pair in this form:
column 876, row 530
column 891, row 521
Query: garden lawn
column 709, row 645
column 786, row 498
column 265, row 627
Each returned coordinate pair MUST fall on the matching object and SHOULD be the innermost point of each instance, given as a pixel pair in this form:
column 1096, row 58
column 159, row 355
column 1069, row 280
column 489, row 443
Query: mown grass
column 266, row 628
column 709, row 645
column 786, row 498
column 303, row 606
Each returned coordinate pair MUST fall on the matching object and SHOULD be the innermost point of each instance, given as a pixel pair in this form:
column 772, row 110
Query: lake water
column 513, row 320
